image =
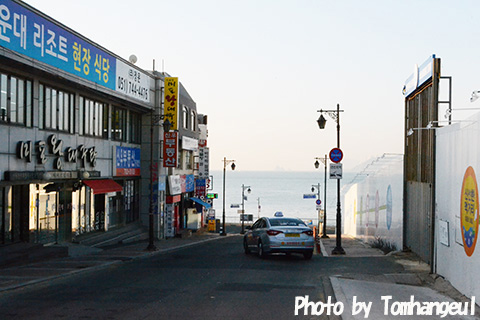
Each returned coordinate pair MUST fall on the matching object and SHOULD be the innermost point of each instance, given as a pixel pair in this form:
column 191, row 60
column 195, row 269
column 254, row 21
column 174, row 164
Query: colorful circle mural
column 469, row 211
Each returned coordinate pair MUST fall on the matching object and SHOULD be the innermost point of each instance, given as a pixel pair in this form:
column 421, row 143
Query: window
column 193, row 120
column 135, row 127
column 92, row 118
column 287, row 222
column 188, row 159
column 58, row 109
column 185, row 117
column 119, row 124
column 15, row 100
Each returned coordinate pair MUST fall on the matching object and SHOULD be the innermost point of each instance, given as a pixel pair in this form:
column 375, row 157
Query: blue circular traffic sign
column 319, row 202
column 336, row 155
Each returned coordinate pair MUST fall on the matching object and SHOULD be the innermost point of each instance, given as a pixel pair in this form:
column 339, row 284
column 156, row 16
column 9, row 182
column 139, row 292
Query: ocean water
column 275, row 191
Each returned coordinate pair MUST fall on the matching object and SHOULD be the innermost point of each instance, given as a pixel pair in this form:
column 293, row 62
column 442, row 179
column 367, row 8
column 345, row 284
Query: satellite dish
column 133, row 59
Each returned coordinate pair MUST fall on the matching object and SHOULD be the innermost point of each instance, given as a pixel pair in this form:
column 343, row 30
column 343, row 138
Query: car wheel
column 245, row 246
column 261, row 253
column 308, row 255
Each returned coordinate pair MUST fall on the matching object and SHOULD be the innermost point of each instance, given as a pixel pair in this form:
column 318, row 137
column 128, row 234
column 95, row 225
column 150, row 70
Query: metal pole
column 338, row 249
column 258, row 209
column 151, row 245
column 319, row 209
column 325, row 203
column 242, row 215
column 224, row 233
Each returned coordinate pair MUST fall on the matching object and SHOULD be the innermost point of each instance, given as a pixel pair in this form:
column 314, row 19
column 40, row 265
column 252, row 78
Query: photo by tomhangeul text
column 390, row 307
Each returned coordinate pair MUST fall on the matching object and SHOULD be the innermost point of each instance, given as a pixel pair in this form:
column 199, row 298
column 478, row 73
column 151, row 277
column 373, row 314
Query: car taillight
column 308, row 232
column 273, row 232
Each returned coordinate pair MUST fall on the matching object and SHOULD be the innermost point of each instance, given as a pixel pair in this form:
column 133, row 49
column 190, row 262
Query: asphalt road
column 213, row 280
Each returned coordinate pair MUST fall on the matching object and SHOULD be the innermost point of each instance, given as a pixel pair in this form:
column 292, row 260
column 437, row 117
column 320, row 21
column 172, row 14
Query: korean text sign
column 127, row 161
column 171, row 101
column 170, row 149
column 27, row 33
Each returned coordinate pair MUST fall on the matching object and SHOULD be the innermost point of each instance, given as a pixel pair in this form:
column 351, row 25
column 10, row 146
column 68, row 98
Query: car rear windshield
column 286, row 222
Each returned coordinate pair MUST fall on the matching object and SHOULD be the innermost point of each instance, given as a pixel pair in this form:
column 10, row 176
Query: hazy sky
column 261, row 69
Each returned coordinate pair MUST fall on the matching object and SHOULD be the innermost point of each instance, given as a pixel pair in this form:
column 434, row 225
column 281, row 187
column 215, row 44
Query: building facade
column 73, row 118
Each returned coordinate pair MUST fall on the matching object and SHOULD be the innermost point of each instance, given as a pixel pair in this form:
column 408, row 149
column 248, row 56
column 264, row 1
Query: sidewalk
column 85, row 258
column 415, row 281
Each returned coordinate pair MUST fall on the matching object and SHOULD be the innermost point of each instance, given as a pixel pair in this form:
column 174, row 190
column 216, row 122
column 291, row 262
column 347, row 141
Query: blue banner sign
column 27, row 33
column 127, row 161
column 189, row 183
column 309, row 196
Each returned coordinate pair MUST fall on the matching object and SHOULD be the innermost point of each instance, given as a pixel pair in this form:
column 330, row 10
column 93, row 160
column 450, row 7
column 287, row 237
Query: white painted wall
column 374, row 204
column 457, row 149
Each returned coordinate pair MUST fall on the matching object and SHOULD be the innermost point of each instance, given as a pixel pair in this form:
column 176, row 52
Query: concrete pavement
column 415, row 280
column 391, row 295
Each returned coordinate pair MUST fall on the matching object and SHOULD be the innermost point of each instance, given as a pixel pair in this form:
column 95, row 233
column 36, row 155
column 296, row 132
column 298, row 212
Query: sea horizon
column 275, row 191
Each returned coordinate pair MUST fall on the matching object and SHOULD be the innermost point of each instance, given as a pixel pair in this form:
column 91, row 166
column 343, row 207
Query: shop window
column 135, row 127
column 119, row 124
column 15, row 100
column 92, row 118
column 58, row 109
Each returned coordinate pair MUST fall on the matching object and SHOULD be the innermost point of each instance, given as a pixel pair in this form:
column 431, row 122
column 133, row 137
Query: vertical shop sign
column 170, row 149
column 169, row 228
column 189, row 183
column 203, row 163
column 200, row 188
column 170, row 101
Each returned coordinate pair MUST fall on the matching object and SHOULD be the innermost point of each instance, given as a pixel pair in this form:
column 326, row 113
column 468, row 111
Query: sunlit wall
column 373, row 202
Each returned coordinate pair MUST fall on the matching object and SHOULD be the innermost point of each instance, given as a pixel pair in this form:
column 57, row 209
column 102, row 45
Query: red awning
column 103, row 186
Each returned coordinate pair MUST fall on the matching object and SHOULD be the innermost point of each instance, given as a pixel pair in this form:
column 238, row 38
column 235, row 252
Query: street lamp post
column 324, row 161
column 156, row 118
column 243, row 205
column 335, row 115
column 317, row 186
column 225, row 162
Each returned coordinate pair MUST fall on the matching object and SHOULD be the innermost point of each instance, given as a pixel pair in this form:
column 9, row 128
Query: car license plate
column 293, row 235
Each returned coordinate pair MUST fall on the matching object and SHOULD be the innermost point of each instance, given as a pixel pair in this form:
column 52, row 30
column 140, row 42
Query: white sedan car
column 279, row 234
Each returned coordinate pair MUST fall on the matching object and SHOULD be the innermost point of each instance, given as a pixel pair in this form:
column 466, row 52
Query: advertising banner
column 170, row 149
column 169, row 227
column 31, row 35
column 170, row 101
column 200, row 188
column 203, row 163
column 127, row 161
column 189, row 183
column 175, row 184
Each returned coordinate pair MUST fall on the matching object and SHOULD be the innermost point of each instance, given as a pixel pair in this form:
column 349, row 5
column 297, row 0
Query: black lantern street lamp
column 225, row 162
column 335, row 115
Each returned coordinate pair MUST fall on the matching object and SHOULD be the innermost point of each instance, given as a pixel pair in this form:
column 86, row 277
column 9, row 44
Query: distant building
column 185, row 196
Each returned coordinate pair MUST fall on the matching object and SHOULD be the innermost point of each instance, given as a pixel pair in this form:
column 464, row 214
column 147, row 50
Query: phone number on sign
column 132, row 89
